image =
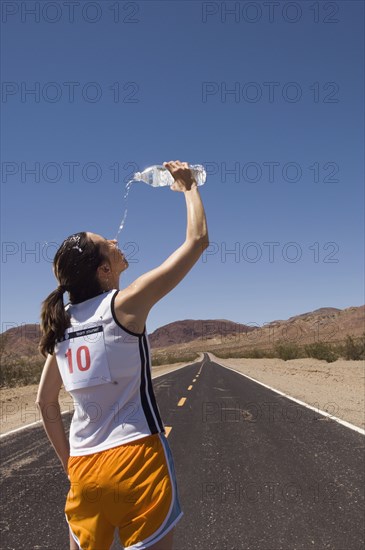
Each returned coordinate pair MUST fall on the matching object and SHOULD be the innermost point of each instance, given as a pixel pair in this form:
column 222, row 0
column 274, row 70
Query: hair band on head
column 61, row 288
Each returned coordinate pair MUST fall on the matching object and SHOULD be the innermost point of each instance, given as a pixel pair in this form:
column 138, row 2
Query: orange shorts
column 131, row 487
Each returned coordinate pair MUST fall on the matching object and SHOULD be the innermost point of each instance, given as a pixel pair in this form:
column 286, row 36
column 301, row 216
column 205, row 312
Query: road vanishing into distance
column 255, row 471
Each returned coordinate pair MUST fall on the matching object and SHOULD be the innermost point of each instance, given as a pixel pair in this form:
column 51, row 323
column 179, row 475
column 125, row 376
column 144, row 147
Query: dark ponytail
column 75, row 264
column 54, row 321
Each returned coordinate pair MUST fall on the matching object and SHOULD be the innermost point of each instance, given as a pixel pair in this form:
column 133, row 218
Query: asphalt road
column 255, row 471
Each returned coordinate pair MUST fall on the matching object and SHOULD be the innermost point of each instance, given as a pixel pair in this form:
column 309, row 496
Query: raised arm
column 150, row 287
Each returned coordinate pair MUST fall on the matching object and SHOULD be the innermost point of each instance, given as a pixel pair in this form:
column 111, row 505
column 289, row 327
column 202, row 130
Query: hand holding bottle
column 161, row 176
column 182, row 174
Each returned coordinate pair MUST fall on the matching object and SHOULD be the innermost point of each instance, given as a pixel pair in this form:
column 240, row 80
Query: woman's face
column 118, row 262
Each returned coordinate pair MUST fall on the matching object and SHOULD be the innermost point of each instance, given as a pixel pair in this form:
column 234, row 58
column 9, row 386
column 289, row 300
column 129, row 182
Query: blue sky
column 123, row 85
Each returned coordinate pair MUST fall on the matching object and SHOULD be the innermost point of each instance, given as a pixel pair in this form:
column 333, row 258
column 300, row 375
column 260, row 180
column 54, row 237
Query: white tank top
column 107, row 370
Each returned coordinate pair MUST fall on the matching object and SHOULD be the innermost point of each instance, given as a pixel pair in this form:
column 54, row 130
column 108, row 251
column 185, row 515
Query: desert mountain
column 190, row 330
column 326, row 324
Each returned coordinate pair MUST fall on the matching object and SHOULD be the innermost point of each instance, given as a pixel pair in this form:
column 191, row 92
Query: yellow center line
column 180, row 404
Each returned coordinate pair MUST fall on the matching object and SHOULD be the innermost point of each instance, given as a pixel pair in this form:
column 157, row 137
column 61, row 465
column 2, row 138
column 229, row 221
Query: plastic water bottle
column 159, row 176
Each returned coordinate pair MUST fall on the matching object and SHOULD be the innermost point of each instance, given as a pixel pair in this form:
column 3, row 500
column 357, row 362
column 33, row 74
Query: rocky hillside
column 324, row 324
column 195, row 330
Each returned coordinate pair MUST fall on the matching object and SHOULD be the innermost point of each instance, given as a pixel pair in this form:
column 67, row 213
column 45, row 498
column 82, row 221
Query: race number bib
column 82, row 360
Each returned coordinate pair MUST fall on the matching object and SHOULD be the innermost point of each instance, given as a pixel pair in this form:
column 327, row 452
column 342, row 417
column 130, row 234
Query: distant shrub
column 351, row 349
column 170, row 358
column 322, row 350
column 240, row 353
column 354, row 349
column 253, row 353
column 259, row 353
column 287, row 351
column 20, row 373
column 225, row 354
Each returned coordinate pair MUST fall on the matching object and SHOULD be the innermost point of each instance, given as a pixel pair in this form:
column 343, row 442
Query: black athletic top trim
column 150, row 387
column 142, row 389
column 112, row 305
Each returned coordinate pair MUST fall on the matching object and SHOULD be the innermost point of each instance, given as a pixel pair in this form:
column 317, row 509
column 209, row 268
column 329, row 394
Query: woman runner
column 117, row 457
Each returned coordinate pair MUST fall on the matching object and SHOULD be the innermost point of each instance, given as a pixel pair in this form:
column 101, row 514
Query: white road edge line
column 65, row 412
column 324, row 413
